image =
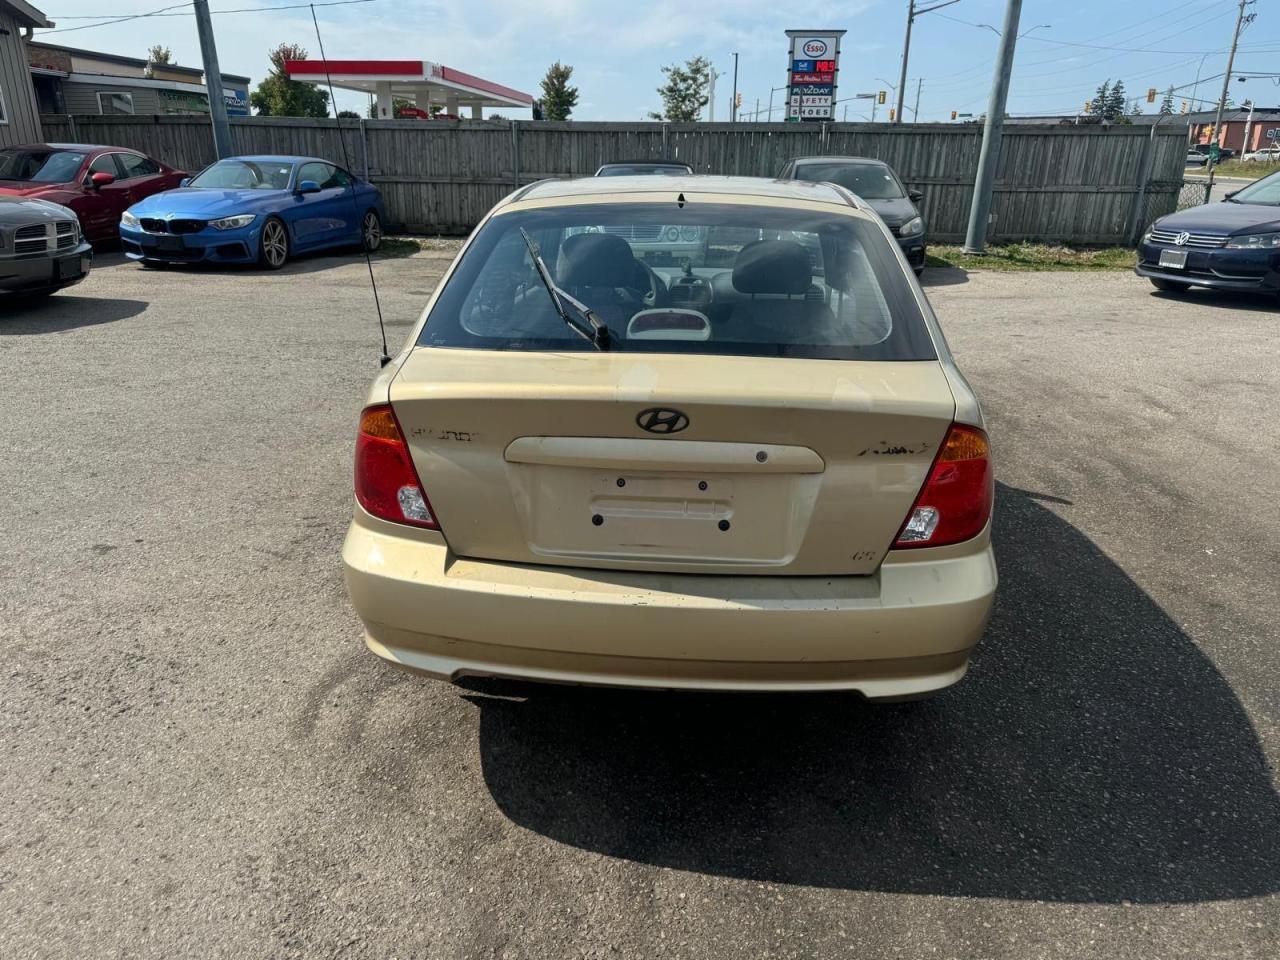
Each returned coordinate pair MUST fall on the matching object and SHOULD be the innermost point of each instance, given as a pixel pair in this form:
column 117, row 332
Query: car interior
column 755, row 286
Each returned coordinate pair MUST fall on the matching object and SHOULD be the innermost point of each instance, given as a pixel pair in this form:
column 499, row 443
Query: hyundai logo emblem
column 661, row 420
column 1182, row 238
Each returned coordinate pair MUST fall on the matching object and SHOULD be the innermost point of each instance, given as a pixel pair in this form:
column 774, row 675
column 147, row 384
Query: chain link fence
column 1193, row 193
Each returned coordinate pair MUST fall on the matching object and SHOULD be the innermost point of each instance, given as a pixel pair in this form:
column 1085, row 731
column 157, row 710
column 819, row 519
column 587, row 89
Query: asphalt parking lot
column 200, row 759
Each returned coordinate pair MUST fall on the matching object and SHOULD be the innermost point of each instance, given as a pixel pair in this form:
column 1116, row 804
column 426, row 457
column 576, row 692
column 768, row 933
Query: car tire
column 371, row 231
column 1169, row 286
column 273, row 244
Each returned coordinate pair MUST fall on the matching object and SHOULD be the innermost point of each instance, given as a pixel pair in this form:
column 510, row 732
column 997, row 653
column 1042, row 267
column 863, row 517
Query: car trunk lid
column 759, row 465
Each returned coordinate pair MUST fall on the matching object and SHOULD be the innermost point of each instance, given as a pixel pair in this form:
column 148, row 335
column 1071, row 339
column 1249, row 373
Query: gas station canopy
column 423, row 83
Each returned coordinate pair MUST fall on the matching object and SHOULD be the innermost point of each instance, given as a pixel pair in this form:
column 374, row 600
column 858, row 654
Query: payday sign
column 813, row 63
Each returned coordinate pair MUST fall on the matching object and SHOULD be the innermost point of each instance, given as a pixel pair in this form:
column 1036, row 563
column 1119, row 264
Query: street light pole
column 975, row 240
column 912, row 12
column 1226, row 84
column 733, row 103
column 213, row 81
column 906, row 52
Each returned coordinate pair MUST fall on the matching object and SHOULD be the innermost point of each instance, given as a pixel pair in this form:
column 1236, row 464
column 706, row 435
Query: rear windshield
column 40, row 166
column 244, row 175
column 871, row 181
column 702, row 278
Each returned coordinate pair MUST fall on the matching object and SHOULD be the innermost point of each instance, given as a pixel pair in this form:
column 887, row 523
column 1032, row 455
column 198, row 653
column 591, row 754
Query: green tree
column 158, row 53
column 348, row 115
column 279, row 96
column 1166, row 104
column 1101, row 98
column 1116, row 101
column 685, row 92
column 558, row 98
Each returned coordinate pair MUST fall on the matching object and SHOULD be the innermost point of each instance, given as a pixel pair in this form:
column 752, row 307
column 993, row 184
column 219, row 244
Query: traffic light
column 737, row 100
column 953, row 114
column 1186, row 106
column 893, row 114
column 1151, row 94
column 880, row 97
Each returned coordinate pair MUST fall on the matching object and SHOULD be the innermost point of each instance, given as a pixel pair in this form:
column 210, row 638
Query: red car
column 98, row 183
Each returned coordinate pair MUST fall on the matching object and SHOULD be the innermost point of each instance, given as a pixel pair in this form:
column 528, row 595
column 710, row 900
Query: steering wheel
column 658, row 295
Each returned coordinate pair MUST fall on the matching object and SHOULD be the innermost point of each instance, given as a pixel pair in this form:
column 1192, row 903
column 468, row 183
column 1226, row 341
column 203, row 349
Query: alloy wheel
column 275, row 245
column 372, row 231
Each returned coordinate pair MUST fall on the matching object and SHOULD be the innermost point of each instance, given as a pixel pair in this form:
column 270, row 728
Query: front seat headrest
column 773, row 266
column 596, row 260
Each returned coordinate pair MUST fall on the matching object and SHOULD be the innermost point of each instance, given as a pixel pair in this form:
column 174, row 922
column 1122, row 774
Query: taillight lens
column 386, row 483
column 955, row 502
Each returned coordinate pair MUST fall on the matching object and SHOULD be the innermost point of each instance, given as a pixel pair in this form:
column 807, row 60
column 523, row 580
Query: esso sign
column 815, row 48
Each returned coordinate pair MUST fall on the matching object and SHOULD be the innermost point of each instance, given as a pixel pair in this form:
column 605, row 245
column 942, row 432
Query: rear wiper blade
column 594, row 328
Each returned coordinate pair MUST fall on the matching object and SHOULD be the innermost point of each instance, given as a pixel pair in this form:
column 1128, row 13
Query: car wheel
column 273, row 245
column 371, row 231
column 1172, row 286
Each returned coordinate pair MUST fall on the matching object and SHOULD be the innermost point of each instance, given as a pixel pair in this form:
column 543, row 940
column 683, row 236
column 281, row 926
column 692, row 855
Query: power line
column 164, row 12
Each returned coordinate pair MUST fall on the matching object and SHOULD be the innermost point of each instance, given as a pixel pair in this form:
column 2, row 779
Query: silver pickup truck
column 41, row 247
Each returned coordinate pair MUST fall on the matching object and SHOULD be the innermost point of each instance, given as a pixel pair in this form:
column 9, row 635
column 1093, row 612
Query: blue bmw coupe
column 260, row 210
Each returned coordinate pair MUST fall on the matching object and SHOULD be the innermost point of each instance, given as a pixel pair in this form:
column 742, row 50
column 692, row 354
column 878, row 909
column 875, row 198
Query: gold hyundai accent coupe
column 743, row 461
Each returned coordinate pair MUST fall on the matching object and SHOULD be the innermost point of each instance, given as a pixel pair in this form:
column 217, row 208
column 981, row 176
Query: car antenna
column 385, row 357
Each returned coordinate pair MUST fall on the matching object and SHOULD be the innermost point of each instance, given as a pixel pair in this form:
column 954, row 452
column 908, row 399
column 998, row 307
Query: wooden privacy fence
column 1078, row 184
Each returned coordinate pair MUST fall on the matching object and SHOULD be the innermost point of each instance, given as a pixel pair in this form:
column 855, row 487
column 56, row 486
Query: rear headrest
column 596, row 260
column 773, row 266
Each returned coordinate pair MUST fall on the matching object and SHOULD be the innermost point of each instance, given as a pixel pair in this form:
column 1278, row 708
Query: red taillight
column 386, row 484
column 955, row 502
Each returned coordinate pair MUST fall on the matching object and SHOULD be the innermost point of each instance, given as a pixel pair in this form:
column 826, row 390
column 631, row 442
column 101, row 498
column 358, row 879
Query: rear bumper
column 38, row 274
column 906, row 631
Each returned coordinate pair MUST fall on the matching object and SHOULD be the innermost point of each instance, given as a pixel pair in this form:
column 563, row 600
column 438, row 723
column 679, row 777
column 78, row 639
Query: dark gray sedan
column 41, row 247
column 876, row 183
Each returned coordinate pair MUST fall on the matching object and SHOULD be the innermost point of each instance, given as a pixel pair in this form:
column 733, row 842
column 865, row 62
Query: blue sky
column 617, row 47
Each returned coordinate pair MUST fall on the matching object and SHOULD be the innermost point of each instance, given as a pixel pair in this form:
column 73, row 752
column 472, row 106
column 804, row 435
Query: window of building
column 4, row 116
column 115, row 104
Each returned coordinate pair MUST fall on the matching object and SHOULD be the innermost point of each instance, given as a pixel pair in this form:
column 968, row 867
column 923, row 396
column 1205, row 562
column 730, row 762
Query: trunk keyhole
column 761, row 456
column 702, row 484
column 621, row 482
column 597, row 519
column 723, row 524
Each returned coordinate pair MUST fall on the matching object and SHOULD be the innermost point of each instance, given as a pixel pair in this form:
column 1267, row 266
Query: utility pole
column 213, row 81
column 915, row 114
column 711, row 95
column 912, row 12
column 1241, row 20
column 975, row 239
column 1248, row 126
column 733, row 104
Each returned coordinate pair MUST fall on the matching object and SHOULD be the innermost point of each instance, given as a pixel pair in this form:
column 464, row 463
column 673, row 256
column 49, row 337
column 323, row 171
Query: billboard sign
column 812, row 68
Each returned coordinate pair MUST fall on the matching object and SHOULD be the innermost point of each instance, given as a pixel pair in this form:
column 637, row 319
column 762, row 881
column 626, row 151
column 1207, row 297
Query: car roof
column 81, row 147
column 728, row 186
column 804, row 160
column 277, row 158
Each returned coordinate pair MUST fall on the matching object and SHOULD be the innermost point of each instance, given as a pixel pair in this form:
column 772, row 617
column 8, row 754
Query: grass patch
column 1034, row 256
column 1251, row 170
column 408, row 246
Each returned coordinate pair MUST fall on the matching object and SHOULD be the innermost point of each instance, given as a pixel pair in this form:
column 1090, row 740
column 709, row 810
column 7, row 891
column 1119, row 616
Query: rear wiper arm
column 594, row 329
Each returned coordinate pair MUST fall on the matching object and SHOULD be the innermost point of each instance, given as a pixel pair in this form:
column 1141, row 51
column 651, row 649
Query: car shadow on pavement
column 943, row 277
column 62, row 312
column 1093, row 754
column 1224, row 299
